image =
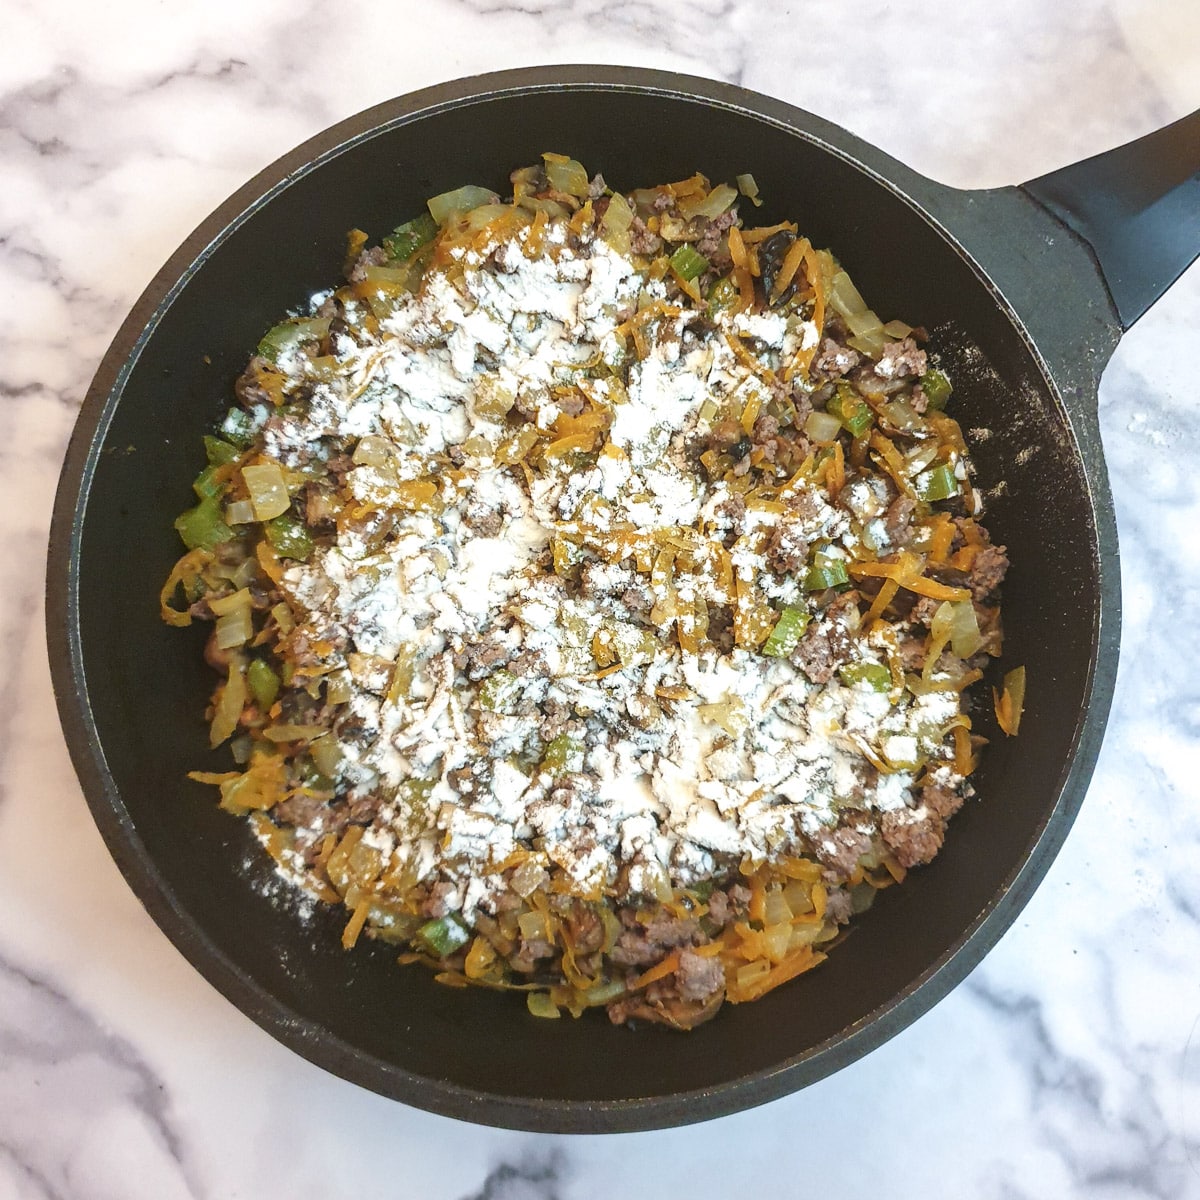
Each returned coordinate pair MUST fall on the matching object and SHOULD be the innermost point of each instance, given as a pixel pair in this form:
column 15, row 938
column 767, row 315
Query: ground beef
column 709, row 243
column 838, row 908
column 587, row 929
column 320, row 508
column 641, row 946
column 528, row 662
column 787, row 551
column 942, row 801
column 529, row 953
column 572, row 403
column 250, row 388
column 897, row 522
column 641, row 240
column 376, row 256
column 637, row 599
column 833, row 360
column 914, row 835
column 900, row 359
column 912, row 652
column 482, row 658
column 435, row 903
column 481, row 519
column 698, row 977
column 827, row 643
column 301, row 810
column 718, row 908
column 987, row 571
column 841, row 849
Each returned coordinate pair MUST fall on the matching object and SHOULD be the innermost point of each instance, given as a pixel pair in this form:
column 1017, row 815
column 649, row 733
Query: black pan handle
column 1138, row 208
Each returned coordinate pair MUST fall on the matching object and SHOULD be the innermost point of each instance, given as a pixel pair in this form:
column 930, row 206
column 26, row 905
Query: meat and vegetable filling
column 596, row 583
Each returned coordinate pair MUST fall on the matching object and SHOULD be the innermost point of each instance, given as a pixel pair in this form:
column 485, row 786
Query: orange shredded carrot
column 737, row 247
column 835, row 475
column 269, row 561
column 964, row 761
column 796, row 963
column 886, row 595
column 762, row 232
column 661, row 970
column 758, row 898
column 355, row 924
column 943, row 535
column 909, row 579
column 788, row 268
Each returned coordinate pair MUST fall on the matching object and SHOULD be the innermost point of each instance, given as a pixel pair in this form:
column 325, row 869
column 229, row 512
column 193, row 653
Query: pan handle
column 1138, row 208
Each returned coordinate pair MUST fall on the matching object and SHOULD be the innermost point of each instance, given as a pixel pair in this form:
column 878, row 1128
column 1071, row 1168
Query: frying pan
column 1027, row 291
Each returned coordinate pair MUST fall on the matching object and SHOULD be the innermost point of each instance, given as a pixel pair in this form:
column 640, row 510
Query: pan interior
column 146, row 685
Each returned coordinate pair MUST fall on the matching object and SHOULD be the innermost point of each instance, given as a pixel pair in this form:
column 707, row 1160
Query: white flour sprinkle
column 678, row 762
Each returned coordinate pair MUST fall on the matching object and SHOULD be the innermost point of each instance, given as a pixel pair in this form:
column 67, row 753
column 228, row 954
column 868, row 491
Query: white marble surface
column 1067, row 1065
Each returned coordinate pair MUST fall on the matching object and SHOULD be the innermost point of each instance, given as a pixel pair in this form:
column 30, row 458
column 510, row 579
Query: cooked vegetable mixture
column 595, row 582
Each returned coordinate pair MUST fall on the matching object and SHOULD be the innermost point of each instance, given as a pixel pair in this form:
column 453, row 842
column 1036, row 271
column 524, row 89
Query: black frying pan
column 1028, row 290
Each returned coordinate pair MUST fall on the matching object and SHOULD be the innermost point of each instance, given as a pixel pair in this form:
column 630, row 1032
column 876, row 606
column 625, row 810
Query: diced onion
column 234, row 629
column 616, row 224
column 461, row 199
column 229, row 706
column 844, row 297
column 240, row 512
column 897, row 329
column 569, row 177
column 268, row 490
column 229, row 604
column 822, row 427
column 864, row 324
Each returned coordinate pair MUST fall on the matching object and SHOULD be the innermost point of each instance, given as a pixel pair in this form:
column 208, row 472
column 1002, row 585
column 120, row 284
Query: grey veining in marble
column 1068, row 1064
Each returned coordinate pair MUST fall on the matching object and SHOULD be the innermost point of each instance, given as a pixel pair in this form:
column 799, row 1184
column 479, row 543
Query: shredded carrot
column 788, row 268
column 912, row 580
column 886, row 595
column 737, row 248
column 355, row 924
column 964, row 761
column 661, row 970
column 751, row 236
column 835, row 475
column 758, row 898
column 943, row 535
column 269, row 561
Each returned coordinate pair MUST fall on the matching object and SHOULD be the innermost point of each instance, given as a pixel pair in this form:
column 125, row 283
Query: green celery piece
column 219, row 452
column 937, row 387
column 443, row 935
column 288, row 537
column 688, row 263
column 263, row 682
column 287, row 334
column 825, row 573
column 722, row 296
column 938, row 483
column 204, row 486
column 850, row 408
column 405, row 240
column 499, row 691
column 202, row 527
column 563, row 756
column 788, row 631
column 876, row 675
column 238, row 427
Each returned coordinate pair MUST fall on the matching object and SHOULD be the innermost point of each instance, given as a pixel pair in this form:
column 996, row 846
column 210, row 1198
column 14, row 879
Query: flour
column 466, row 654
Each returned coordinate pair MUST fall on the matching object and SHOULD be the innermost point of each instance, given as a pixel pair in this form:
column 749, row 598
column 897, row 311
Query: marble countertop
column 1067, row 1065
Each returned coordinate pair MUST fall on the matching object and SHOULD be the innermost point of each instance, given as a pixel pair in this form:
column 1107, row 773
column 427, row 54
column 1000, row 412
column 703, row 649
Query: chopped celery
column 499, row 691
column 563, row 756
column 937, row 387
column 405, row 240
column 938, row 483
column 688, row 263
column 218, row 451
column 205, row 486
column 443, row 936
column 288, row 537
column 289, row 334
column 264, row 683
column 875, row 675
column 851, row 410
column 238, row 427
column 722, row 296
column 202, row 526
column 825, row 572
column 787, row 632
